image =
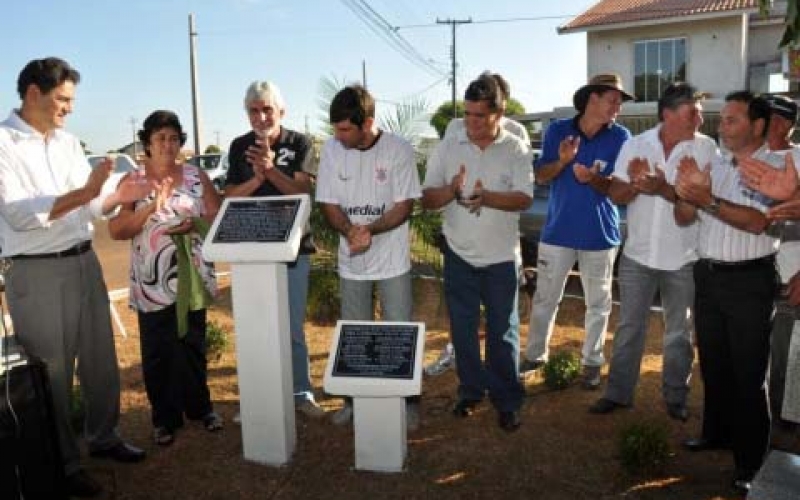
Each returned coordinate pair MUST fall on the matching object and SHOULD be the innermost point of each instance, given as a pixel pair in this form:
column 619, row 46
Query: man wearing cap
column 582, row 223
column 783, row 116
column 735, row 282
column 658, row 254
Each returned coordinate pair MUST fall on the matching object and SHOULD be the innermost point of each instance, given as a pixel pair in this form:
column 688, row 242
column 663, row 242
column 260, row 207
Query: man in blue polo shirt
column 582, row 223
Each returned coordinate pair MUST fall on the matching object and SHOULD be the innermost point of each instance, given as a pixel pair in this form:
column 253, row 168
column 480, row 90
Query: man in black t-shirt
column 271, row 161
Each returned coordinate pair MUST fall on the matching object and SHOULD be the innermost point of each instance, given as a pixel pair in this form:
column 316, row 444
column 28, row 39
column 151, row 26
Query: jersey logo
column 381, row 174
column 284, row 156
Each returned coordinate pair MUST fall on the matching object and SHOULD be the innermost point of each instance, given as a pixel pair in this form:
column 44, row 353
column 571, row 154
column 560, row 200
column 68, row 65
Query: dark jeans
column 466, row 287
column 733, row 310
column 174, row 369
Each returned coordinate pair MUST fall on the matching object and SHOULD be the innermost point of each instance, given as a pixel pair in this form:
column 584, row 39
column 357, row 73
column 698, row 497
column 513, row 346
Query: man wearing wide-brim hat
column 582, row 224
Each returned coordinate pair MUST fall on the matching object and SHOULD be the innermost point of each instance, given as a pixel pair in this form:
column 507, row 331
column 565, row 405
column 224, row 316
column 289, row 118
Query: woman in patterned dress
column 160, row 227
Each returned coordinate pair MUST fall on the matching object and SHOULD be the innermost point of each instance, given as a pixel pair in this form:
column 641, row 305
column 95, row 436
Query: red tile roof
column 610, row 12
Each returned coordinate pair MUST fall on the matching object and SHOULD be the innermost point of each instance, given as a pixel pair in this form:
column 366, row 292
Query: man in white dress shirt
column 56, row 294
column 658, row 254
column 735, row 284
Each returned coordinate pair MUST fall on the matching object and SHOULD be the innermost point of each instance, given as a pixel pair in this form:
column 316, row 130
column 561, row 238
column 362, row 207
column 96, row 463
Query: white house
column 717, row 45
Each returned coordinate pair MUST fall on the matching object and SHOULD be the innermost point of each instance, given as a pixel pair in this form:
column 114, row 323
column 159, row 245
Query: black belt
column 740, row 265
column 78, row 249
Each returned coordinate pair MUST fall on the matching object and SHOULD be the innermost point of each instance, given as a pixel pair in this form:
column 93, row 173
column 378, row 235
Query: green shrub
column 323, row 304
column 561, row 370
column 643, row 447
column 216, row 341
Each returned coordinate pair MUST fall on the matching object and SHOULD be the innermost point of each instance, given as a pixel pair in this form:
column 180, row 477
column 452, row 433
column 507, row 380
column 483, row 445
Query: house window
column 657, row 64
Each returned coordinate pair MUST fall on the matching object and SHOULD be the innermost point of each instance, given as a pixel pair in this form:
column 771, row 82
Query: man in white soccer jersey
column 366, row 187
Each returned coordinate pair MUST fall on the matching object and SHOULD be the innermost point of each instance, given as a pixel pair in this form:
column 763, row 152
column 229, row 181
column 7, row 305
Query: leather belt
column 78, row 249
column 740, row 265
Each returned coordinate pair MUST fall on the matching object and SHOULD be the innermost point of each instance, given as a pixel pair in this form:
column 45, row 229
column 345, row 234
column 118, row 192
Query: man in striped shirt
column 735, row 283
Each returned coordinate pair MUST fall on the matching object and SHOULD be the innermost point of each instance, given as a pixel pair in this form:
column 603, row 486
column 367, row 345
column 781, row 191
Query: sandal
column 163, row 436
column 212, row 422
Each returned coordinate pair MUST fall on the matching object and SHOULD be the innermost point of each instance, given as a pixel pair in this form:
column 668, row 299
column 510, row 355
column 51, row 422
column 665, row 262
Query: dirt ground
column 560, row 452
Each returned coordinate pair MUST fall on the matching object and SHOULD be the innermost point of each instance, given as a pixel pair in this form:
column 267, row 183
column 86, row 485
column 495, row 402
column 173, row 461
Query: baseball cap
column 783, row 106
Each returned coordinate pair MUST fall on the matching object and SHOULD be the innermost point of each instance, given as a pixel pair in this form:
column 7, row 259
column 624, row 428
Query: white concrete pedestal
column 264, row 361
column 380, row 433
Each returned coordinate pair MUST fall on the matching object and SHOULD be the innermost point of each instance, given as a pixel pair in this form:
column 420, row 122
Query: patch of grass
column 561, row 370
column 217, row 341
column 323, row 303
column 77, row 411
column 644, row 447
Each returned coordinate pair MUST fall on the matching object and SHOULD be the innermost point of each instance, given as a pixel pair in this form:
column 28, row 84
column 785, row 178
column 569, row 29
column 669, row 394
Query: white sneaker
column 412, row 416
column 310, row 409
column 237, row 419
column 445, row 361
column 343, row 416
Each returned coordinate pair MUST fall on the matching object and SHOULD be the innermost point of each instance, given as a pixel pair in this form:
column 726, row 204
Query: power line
column 383, row 29
column 488, row 21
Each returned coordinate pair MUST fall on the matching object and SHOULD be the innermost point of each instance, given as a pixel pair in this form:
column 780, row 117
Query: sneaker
column 527, row 368
column 591, row 378
column 310, row 408
column 343, row 416
column 445, row 361
column 678, row 411
column 604, row 405
column 412, row 416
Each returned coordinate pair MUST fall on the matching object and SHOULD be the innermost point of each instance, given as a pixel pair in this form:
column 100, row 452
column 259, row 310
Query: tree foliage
column 212, row 149
column 444, row 113
column 791, row 36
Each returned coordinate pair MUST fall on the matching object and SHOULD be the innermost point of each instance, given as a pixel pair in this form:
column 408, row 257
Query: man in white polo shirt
column 735, row 284
column 482, row 178
column 367, row 185
column 658, row 254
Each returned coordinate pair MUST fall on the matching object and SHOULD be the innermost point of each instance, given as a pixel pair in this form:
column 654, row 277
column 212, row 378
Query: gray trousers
column 781, row 338
column 60, row 311
column 638, row 285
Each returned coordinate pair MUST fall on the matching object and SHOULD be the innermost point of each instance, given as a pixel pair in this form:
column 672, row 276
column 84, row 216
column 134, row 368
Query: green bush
column 561, row 370
column 216, row 341
column 323, row 304
column 643, row 447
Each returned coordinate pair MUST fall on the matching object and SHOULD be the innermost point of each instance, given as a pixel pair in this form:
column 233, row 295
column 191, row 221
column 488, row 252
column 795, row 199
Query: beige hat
column 603, row 81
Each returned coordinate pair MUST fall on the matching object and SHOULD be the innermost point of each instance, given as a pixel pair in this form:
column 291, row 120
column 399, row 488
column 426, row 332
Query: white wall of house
column 716, row 51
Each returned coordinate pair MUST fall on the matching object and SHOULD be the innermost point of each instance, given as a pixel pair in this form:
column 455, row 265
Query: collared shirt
column 34, row 171
column 366, row 184
column 654, row 239
column 456, row 126
column 503, row 166
column 578, row 216
column 719, row 240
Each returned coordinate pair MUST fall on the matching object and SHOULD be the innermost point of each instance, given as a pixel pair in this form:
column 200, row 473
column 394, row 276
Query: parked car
column 123, row 164
column 215, row 165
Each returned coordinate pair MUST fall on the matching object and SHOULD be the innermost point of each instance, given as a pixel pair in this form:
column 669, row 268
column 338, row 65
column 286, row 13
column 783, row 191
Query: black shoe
column 703, row 444
column 604, row 405
column 465, row 407
column 678, row 412
column 80, row 484
column 508, row 420
column 121, row 452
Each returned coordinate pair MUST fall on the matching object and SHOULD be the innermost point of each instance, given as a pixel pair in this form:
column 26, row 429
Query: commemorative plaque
column 257, row 221
column 376, row 350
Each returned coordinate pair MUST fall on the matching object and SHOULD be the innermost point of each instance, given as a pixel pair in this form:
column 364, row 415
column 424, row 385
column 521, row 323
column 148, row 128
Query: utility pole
column 364, row 73
column 195, row 99
column 453, row 23
column 216, row 133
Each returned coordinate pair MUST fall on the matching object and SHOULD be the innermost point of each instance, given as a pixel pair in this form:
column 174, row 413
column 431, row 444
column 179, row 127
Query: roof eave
column 650, row 22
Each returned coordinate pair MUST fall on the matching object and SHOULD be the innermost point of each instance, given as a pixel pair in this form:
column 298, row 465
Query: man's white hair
column 264, row 91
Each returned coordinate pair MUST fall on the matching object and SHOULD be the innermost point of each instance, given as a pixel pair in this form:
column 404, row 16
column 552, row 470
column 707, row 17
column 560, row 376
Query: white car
column 123, row 164
column 215, row 165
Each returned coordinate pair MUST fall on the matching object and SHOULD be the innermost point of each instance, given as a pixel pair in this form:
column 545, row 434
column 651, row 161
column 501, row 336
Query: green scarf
column 192, row 295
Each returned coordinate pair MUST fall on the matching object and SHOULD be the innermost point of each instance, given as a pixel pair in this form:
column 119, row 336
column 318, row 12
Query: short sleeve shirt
column 578, row 216
column 365, row 184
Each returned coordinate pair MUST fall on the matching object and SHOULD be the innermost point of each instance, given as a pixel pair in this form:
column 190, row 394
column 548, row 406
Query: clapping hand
column 568, row 149
column 693, row 184
column 778, row 184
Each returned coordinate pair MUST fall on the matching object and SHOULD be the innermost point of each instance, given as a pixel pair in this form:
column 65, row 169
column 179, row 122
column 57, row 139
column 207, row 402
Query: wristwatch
column 713, row 207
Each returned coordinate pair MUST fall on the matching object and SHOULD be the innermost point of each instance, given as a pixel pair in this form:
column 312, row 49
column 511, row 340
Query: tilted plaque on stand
column 258, row 236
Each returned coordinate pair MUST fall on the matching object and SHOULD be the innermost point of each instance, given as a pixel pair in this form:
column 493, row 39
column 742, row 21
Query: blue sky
column 134, row 56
